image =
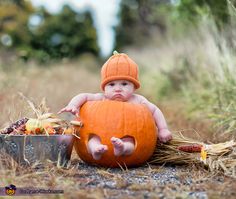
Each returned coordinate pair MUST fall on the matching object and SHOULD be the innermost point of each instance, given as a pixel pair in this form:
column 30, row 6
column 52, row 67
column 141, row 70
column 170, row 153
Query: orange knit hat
column 119, row 66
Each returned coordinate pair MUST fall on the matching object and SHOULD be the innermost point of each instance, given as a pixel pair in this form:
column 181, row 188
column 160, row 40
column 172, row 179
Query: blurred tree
column 138, row 20
column 14, row 16
column 19, row 3
column 41, row 35
column 191, row 10
column 66, row 34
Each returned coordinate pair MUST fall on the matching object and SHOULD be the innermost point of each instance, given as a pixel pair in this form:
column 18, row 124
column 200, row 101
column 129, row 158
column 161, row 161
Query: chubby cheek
column 128, row 95
column 108, row 93
column 129, row 92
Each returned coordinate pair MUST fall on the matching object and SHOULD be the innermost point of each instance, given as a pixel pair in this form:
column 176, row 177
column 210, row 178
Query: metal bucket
column 31, row 149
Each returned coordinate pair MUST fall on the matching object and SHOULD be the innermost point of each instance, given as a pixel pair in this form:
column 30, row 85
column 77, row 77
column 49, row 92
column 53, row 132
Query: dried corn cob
column 14, row 126
column 190, row 148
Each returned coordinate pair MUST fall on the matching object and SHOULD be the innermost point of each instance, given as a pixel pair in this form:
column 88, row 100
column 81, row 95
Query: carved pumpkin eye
column 112, row 118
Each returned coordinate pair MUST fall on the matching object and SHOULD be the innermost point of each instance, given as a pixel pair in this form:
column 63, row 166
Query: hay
column 217, row 158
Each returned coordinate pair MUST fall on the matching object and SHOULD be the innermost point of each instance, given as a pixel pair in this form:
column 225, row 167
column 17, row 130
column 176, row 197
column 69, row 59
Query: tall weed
column 199, row 70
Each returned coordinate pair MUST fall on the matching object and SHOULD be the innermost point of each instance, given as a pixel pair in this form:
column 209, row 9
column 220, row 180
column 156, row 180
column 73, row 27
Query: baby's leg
column 95, row 148
column 123, row 146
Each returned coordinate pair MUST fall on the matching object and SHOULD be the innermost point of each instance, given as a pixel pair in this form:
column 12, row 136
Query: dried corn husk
column 76, row 123
column 46, row 116
column 220, row 157
column 45, row 120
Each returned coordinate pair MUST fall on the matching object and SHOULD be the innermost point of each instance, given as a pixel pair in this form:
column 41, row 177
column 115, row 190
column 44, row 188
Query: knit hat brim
column 112, row 78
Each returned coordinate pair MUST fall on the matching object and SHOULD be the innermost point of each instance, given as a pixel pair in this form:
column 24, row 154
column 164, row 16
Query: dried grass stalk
column 217, row 158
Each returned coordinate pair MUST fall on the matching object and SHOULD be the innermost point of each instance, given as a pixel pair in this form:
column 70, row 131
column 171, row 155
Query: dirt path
column 148, row 181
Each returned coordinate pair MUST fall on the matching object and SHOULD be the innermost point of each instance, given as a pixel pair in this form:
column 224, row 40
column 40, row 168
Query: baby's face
column 120, row 90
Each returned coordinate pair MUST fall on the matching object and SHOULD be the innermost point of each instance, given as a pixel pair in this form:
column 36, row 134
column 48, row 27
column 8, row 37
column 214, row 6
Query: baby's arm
column 164, row 133
column 77, row 101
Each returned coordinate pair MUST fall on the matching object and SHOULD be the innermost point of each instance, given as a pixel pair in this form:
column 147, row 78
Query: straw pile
column 218, row 158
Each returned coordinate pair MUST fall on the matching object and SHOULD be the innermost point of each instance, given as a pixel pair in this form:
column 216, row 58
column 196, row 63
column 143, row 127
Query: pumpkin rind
column 113, row 118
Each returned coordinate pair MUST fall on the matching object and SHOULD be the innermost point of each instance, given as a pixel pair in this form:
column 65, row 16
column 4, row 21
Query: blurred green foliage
column 138, row 20
column 69, row 33
column 43, row 36
column 202, row 74
column 13, row 22
column 142, row 19
column 192, row 11
column 66, row 34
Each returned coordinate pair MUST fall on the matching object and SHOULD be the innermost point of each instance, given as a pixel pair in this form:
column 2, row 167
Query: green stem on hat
column 115, row 52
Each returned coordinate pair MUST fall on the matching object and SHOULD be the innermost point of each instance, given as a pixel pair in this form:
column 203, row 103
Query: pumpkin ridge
column 142, row 110
column 125, row 119
column 94, row 111
column 136, row 141
column 86, row 138
column 101, row 109
column 106, row 111
column 136, row 126
column 145, row 116
column 93, row 120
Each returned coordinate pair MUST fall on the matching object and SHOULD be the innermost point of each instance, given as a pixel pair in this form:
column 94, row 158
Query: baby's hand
column 164, row 135
column 70, row 108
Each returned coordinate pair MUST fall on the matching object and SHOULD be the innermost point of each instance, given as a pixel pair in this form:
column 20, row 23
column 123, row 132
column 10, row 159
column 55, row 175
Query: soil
column 149, row 181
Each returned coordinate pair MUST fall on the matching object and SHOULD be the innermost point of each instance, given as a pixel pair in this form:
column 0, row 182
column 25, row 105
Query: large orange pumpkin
column 113, row 118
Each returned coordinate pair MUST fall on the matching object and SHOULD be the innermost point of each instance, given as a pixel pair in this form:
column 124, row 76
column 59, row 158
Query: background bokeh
column 185, row 50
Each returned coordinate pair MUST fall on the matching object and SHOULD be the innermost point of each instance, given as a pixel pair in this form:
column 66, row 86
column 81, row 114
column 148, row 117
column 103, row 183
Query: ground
column 151, row 181
column 81, row 180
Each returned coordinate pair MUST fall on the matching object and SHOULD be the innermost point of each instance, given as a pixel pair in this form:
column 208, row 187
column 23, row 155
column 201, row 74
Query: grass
column 80, row 180
column 197, row 69
column 84, row 181
column 58, row 83
column 192, row 74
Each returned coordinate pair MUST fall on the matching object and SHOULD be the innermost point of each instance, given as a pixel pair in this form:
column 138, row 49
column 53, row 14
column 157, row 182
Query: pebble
column 135, row 181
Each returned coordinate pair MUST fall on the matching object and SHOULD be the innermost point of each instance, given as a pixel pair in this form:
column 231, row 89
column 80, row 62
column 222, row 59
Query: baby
column 119, row 81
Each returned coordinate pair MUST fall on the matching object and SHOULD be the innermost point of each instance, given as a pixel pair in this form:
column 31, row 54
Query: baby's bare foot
column 119, row 146
column 97, row 151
